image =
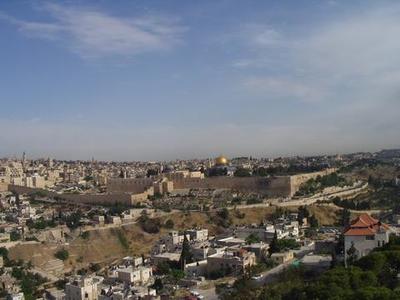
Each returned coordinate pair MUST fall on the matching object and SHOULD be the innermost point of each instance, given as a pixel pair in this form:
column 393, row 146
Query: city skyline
column 155, row 80
column 211, row 158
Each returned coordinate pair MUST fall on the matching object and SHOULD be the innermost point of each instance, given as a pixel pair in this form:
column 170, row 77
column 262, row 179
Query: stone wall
column 135, row 190
column 129, row 185
column 275, row 186
column 297, row 180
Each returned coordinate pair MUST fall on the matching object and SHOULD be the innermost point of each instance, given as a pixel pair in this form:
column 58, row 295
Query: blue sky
column 155, row 80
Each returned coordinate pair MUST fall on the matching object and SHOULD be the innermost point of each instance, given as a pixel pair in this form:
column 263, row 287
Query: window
column 370, row 237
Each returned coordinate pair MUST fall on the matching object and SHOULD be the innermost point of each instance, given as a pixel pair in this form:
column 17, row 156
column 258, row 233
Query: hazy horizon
column 158, row 80
column 212, row 156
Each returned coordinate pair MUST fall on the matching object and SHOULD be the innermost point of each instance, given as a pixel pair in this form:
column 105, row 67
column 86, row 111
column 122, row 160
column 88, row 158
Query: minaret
column 209, row 165
column 23, row 161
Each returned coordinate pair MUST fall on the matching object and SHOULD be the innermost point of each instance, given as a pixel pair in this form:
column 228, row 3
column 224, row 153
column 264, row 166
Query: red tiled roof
column 360, row 231
column 359, row 223
column 365, row 225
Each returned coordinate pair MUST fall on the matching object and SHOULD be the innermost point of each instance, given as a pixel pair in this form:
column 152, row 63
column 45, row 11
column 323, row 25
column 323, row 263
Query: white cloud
column 277, row 88
column 265, row 37
column 92, row 33
column 349, row 61
column 253, row 36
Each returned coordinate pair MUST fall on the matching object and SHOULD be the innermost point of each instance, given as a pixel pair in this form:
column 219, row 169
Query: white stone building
column 85, row 288
column 140, row 275
column 365, row 234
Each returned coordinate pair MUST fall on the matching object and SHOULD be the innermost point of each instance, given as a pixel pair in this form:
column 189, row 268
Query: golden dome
column 221, row 160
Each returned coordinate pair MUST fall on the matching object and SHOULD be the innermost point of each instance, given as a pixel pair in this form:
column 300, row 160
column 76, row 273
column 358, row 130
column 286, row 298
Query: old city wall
column 131, row 191
column 275, row 186
column 99, row 199
column 297, row 180
column 129, row 185
column 279, row 187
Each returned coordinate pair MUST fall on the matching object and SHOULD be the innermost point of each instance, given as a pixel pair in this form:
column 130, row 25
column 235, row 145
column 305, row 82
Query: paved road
column 297, row 202
column 270, row 275
column 208, row 294
column 366, row 211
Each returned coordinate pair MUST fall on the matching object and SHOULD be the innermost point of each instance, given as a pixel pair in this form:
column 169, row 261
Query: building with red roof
column 365, row 233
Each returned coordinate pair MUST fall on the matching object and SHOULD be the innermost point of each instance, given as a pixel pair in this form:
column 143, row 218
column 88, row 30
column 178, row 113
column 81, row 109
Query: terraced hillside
column 105, row 245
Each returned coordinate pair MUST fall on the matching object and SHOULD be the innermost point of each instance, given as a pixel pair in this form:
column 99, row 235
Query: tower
column 23, row 160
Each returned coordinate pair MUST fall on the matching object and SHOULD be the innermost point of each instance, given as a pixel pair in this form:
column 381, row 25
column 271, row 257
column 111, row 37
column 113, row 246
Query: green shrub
column 122, row 239
column 85, row 235
column 169, row 224
column 62, row 254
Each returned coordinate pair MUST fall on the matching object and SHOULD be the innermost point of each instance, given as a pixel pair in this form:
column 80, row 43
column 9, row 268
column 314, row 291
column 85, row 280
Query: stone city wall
column 129, row 185
column 275, row 186
column 135, row 190
column 297, row 180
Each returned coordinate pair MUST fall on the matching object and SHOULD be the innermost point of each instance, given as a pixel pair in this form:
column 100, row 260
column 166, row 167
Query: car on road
column 256, row 277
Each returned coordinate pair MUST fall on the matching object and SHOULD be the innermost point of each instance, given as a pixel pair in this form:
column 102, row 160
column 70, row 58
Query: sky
column 160, row 80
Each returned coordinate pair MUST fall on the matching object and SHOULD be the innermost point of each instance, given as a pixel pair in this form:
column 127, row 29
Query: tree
column 339, row 248
column 186, row 255
column 242, row 172
column 252, row 238
column 351, row 255
column 223, row 213
column 177, row 274
column 17, row 200
column 163, row 268
column 169, row 224
column 15, row 236
column 284, row 244
column 223, row 218
column 345, row 217
column 262, row 172
column 278, row 213
column 158, row 284
column 4, row 252
column 374, row 262
column 62, row 254
column 302, row 212
column 313, row 221
column 94, row 267
column 73, row 220
column 85, row 235
column 152, row 172
column 273, row 246
column 149, row 225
